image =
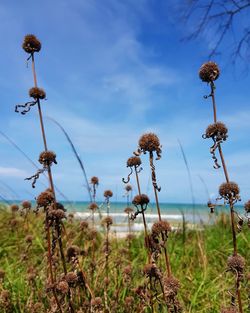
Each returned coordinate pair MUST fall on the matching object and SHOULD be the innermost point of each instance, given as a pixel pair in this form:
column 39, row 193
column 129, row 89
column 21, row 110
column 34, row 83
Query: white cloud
column 12, row 172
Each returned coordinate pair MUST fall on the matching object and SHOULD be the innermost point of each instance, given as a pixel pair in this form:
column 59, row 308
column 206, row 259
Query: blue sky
column 113, row 70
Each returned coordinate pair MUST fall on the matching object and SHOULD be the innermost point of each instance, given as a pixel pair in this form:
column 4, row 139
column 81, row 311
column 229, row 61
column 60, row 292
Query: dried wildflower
column 231, row 309
column 14, row 208
column 45, row 199
column 13, row 222
column 236, row 263
column 37, row 93
column 71, row 278
column 84, row 225
column 129, row 301
column 140, row 200
column 171, row 286
column 128, row 210
column 94, row 180
column 107, row 221
column 93, row 206
column 247, row 206
column 46, row 158
column 62, row 287
column 106, row 281
column 134, row 161
column 56, row 214
column 149, row 143
column 26, row 204
column 96, row 303
column 108, row 194
column 151, row 270
column 5, row 299
column 92, row 234
column 128, row 188
column 230, row 191
column 127, row 270
column 217, row 129
column 209, row 72
column 31, row 44
column 161, row 227
column 72, row 252
column 29, row 239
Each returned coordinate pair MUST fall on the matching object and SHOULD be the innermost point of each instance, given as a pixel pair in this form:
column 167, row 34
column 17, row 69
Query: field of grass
column 198, row 259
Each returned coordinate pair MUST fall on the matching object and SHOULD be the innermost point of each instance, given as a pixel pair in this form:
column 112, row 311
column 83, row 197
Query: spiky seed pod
column 14, row 208
column 134, row 161
column 29, row 239
column 128, row 188
column 84, row 225
column 107, row 221
column 229, row 191
column 128, row 210
column 46, row 158
column 160, row 227
column 96, row 303
column 217, row 129
column 72, row 252
column 62, row 287
column 209, row 72
column 151, row 270
column 93, row 206
column 236, row 263
column 37, row 93
column 141, row 199
column 108, row 194
column 45, row 199
column 31, row 44
column 247, row 206
column 94, row 180
column 56, row 214
column 26, row 204
column 230, row 309
column 71, row 278
column 150, row 142
column 171, row 286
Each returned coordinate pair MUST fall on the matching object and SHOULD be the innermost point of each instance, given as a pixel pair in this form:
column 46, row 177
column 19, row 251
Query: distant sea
column 175, row 213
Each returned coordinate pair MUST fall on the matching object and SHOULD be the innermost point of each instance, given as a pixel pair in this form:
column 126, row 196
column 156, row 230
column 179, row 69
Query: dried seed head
column 84, row 225
column 128, row 188
column 92, row 234
column 29, row 239
column 247, row 206
column 229, row 191
column 160, row 227
column 14, row 208
column 37, row 93
column 108, row 194
column 134, row 161
column 71, row 278
column 129, row 301
column 96, row 302
column 31, row 44
column 46, row 158
column 209, row 72
column 236, row 263
column 141, row 199
column 94, row 180
column 127, row 270
column 62, row 287
column 72, row 252
column 13, row 222
column 151, row 270
column 26, row 204
column 150, row 142
column 106, row 281
column 171, row 286
column 45, row 199
column 217, row 129
column 107, row 221
column 93, row 206
column 128, row 210
column 58, row 213
column 230, row 309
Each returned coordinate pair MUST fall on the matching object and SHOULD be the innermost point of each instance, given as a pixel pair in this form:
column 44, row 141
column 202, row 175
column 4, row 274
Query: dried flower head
column 84, row 225
column 134, row 161
column 127, row 270
column 128, row 188
column 46, row 158
column 209, row 72
column 56, row 214
column 31, row 44
column 96, row 303
column 94, row 180
column 150, row 142
column 45, row 199
column 37, row 93
column 108, row 194
column 161, row 227
column 62, row 287
column 26, row 204
column 128, row 210
column 151, row 270
column 129, row 301
column 93, row 206
column 236, row 263
column 107, row 221
column 229, row 191
column 217, row 129
column 14, row 208
column 72, row 252
column 29, row 239
column 140, row 200
column 71, row 278
column 171, row 286
column 247, row 206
